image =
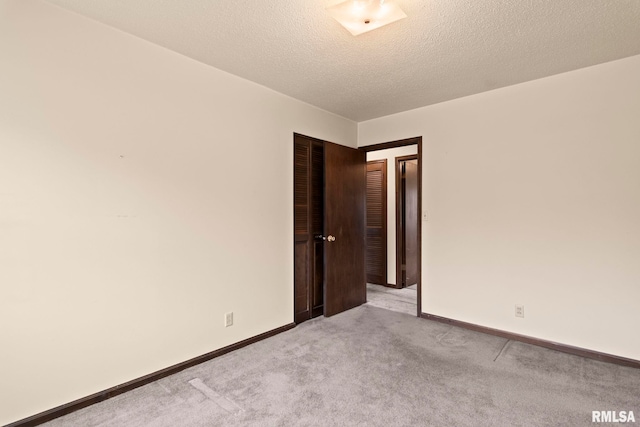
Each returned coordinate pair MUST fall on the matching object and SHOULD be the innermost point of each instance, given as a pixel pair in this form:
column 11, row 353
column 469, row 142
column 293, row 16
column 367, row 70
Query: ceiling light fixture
column 360, row 16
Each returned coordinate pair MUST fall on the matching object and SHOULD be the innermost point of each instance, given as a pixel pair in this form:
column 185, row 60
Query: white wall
column 390, row 155
column 533, row 197
column 114, row 267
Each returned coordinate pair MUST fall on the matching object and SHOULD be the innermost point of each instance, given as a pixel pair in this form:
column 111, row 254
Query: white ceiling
column 444, row 49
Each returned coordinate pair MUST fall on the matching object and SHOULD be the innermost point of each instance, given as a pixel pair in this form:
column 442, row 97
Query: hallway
column 400, row 300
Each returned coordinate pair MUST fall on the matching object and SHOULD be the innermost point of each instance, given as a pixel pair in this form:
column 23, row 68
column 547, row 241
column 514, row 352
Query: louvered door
column 308, row 223
column 317, row 229
column 302, row 229
column 376, row 221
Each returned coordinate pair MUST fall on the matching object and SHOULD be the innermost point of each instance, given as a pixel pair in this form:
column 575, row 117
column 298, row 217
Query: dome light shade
column 360, row 16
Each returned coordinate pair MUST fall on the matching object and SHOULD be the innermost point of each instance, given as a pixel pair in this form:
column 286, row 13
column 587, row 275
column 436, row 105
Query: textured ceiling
column 444, row 49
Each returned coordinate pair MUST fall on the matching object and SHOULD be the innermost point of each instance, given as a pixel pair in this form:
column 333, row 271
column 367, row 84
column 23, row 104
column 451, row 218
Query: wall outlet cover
column 228, row 319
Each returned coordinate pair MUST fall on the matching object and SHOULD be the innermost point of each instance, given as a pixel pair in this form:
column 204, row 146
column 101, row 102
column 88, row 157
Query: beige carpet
column 376, row 367
column 400, row 300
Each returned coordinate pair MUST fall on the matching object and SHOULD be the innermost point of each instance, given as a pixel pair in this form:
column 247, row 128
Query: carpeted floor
column 376, row 367
column 402, row 300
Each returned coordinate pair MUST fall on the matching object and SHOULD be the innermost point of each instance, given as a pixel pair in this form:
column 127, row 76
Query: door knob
column 320, row 237
column 331, row 238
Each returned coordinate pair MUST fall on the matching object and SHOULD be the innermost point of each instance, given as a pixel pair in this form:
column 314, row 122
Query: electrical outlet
column 519, row 310
column 228, row 319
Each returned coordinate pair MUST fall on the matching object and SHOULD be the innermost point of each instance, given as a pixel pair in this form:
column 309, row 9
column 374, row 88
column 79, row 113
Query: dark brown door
column 308, row 223
column 411, row 222
column 376, row 222
column 407, row 236
column 344, row 221
column 303, row 239
column 317, row 228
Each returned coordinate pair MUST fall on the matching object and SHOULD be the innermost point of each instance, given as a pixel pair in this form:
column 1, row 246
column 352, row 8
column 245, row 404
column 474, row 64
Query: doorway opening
column 393, row 223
